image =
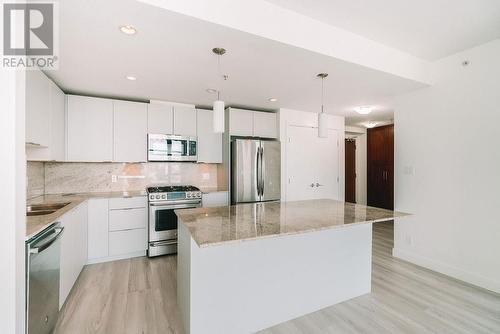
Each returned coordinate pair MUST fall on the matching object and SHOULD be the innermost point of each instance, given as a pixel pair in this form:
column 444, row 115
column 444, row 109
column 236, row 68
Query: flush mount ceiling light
column 370, row 125
column 364, row 110
column 218, row 115
column 322, row 117
column 131, row 78
column 272, row 99
column 128, row 30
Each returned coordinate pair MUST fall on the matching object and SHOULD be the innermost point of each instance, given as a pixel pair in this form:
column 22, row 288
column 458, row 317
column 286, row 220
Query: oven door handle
column 163, row 243
column 173, row 203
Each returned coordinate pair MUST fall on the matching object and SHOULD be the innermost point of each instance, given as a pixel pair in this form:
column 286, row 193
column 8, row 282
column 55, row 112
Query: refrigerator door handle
column 262, row 172
column 257, row 169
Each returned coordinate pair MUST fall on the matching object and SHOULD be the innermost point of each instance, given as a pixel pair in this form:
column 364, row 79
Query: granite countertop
column 220, row 225
column 36, row 224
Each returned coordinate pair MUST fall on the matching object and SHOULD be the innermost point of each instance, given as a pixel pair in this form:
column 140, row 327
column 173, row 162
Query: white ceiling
column 172, row 60
column 429, row 29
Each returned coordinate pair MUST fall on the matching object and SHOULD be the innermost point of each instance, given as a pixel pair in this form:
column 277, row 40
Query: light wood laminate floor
column 139, row 296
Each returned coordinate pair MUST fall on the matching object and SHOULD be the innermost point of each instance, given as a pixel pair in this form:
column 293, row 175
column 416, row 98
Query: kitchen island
column 247, row 267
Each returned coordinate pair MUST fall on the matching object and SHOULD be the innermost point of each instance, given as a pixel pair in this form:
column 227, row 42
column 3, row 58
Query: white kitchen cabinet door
column 265, row 125
column 73, row 249
column 37, row 109
column 240, row 122
column 89, row 129
column 160, row 119
column 215, row 199
column 98, row 227
column 184, row 121
column 300, row 155
column 327, row 167
column 130, row 131
column 56, row 149
column 128, row 241
column 209, row 143
column 57, row 123
column 127, row 219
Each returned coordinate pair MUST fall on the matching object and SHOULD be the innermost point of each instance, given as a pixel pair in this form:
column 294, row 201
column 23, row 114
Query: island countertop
column 220, row 225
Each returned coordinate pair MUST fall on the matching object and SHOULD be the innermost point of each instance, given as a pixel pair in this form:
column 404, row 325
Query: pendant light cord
column 219, row 75
column 322, row 94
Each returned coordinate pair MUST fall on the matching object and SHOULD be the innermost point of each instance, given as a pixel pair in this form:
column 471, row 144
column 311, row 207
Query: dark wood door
column 380, row 165
column 350, row 170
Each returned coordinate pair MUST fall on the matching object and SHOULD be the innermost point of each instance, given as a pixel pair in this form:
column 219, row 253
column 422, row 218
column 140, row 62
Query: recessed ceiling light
column 363, row 110
column 211, row 90
column 128, row 30
column 370, row 125
column 131, row 77
column 272, row 99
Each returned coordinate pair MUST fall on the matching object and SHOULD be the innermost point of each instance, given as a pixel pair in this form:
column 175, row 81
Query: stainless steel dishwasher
column 42, row 280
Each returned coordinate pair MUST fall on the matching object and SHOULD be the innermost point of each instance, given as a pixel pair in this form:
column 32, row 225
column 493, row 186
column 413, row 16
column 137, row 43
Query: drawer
column 130, row 241
column 127, row 219
column 128, row 202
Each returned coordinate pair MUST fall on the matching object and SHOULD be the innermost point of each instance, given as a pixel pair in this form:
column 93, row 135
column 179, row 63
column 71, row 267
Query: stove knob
column 157, row 196
column 163, row 196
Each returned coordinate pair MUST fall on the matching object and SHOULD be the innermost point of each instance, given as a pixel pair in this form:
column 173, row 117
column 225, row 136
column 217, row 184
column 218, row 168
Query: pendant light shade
column 322, row 116
column 218, row 116
column 322, row 125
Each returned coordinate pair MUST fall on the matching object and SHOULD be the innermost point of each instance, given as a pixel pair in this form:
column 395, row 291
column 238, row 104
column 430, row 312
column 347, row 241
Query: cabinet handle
column 318, row 185
column 33, row 144
column 312, row 185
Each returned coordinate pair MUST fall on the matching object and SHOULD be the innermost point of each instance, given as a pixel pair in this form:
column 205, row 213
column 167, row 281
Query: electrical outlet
column 114, row 178
column 206, row 176
column 408, row 239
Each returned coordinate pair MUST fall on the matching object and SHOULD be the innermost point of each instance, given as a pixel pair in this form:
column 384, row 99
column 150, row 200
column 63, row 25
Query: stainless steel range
column 163, row 200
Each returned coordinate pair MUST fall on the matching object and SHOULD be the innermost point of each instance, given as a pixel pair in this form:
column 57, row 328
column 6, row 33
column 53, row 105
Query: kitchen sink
column 44, row 209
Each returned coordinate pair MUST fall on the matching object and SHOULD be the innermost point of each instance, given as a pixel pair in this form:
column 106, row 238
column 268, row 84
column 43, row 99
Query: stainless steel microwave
column 172, row 148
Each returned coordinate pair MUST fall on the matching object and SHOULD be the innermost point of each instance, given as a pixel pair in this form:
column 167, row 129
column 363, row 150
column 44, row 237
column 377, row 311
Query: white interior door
column 327, row 166
column 300, row 164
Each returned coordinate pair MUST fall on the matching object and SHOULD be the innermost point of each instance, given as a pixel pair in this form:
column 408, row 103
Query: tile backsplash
column 73, row 177
column 35, row 179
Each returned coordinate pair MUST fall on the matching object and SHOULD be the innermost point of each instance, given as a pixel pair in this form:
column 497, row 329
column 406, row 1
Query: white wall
column 289, row 117
column 448, row 135
column 12, row 200
column 359, row 134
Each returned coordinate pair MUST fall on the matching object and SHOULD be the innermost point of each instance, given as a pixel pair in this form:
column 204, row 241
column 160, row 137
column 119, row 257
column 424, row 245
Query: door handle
column 312, row 185
column 319, row 185
column 49, row 241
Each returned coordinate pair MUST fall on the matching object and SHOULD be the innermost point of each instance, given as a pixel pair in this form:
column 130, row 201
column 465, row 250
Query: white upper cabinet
column 252, row 123
column 57, row 144
column 52, row 124
column 160, row 118
column 37, row 109
column 240, row 122
column 184, row 121
column 209, row 143
column 265, row 125
column 89, row 129
column 130, row 131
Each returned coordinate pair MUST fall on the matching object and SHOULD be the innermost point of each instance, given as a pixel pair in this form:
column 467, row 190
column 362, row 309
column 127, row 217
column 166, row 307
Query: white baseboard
column 117, row 257
column 446, row 269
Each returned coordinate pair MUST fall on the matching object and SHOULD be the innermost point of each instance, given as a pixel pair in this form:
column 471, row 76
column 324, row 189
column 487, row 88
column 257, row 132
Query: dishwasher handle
column 58, row 231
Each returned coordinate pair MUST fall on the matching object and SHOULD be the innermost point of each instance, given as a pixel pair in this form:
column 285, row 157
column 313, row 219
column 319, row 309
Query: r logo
column 28, row 29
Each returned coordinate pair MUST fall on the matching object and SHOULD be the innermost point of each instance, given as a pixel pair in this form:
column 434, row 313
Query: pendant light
column 218, row 114
column 322, row 116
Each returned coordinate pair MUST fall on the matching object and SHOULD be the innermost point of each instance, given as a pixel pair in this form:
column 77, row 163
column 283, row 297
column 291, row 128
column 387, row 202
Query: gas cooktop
column 171, row 189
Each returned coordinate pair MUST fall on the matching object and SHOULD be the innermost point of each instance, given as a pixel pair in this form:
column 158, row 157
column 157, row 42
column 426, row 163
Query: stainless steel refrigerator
column 255, row 170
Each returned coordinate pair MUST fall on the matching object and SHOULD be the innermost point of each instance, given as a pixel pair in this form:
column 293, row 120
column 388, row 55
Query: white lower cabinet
column 73, row 249
column 214, row 199
column 98, row 229
column 127, row 241
column 117, row 228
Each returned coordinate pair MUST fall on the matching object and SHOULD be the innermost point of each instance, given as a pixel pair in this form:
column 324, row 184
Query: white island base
column 247, row 286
